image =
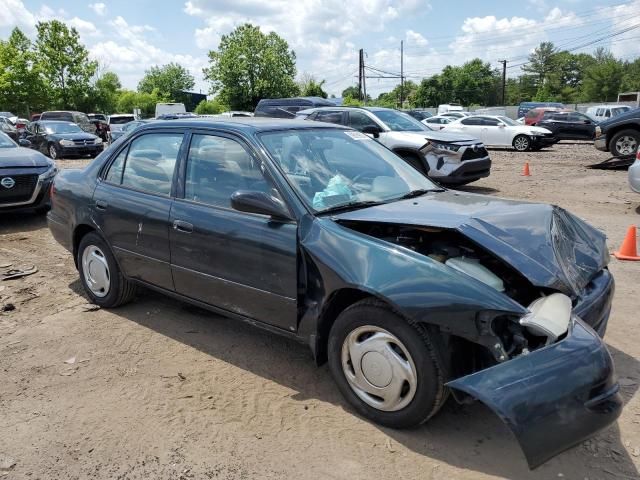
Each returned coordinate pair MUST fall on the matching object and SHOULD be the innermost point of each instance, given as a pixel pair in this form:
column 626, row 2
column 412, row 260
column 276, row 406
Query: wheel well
column 417, row 158
column 337, row 303
column 79, row 232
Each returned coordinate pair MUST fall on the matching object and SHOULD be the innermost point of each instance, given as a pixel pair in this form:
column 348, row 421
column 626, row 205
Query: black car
column 619, row 135
column 319, row 233
column 63, row 139
column 420, row 114
column 568, row 125
column 288, row 107
column 25, row 177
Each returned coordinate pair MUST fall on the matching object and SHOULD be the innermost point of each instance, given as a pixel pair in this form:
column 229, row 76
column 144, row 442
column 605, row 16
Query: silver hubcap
column 521, row 143
column 626, row 145
column 96, row 271
column 379, row 368
column 52, row 152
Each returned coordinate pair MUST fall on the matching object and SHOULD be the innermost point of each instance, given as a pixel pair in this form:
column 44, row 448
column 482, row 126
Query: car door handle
column 182, row 226
column 101, row 205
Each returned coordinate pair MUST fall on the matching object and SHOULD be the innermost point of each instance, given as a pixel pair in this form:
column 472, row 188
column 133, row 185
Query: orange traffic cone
column 628, row 250
column 525, row 171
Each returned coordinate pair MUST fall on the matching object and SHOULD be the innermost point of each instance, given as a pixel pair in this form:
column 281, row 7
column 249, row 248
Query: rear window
column 120, row 120
column 65, row 116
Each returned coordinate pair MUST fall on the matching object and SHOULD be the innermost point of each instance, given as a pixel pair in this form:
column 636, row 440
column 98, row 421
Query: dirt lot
column 161, row 390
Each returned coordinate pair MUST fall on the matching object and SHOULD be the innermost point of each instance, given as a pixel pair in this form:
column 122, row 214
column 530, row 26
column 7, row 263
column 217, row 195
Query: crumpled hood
column 418, row 139
column 546, row 244
column 22, row 158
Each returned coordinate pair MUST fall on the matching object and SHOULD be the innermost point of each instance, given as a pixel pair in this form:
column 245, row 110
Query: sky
column 128, row 37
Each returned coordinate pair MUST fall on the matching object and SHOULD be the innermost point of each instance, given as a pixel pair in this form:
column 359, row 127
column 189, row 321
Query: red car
column 534, row 115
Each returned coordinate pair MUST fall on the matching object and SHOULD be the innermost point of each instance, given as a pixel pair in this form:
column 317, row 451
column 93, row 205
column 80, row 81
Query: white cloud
column 623, row 16
column 83, row 27
column 416, row 39
column 99, row 8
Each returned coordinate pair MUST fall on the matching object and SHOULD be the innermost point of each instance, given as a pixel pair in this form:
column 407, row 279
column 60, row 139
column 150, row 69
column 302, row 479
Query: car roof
column 62, row 111
column 369, row 109
column 244, row 124
column 122, row 115
column 49, row 122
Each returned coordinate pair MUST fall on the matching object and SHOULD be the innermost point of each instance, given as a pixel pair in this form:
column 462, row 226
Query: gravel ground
column 161, row 390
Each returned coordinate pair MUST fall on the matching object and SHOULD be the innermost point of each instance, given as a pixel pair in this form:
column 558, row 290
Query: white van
column 449, row 107
column 168, row 108
column 604, row 112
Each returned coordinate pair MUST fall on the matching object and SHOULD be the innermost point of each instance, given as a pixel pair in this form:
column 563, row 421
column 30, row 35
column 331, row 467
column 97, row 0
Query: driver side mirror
column 372, row 130
column 251, row 201
column 23, row 142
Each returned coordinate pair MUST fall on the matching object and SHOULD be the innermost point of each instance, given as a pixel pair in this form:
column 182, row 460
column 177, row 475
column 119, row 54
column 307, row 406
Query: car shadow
column 24, row 221
column 464, row 436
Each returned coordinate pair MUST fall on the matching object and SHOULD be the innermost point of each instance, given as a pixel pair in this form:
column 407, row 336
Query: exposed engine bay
column 549, row 312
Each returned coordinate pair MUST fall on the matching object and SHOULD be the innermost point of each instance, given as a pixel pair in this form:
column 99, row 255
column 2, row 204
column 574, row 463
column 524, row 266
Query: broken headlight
column 445, row 146
column 548, row 317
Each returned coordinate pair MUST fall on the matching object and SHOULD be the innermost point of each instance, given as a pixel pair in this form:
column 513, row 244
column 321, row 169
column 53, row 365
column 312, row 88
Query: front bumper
column 634, row 176
column 601, row 143
column 552, row 398
column 541, row 142
column 81, row 150
column 40, row 199
column 594, row 304
column 468, row 171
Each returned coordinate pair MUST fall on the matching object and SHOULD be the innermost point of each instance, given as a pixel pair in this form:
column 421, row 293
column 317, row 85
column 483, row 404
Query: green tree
column 146, row 102
column 107, row 88
column 169, row 80
column 541, row 62
column 631, row 77
column 22, row 87
column 351, row 92
column 210, row 107
column 603, row 79
column 310, row 87
column 250, row 65
column 64, row 62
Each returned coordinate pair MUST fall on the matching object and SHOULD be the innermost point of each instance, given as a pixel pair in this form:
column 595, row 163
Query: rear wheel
column 384, row 366
column 100, row 275
column 624, row 143
column 522, row 143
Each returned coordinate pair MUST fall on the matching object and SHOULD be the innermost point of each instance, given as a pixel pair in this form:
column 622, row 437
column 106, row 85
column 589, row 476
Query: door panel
column 241, row 262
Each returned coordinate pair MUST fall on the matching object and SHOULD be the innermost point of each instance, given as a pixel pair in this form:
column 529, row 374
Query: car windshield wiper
column 419, row 192
column 352, row 206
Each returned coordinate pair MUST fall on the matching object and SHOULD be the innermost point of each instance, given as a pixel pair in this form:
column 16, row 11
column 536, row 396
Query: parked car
column 20, row 124
column 8, row 128
column 451, row 159
column 169, row 108
column 98, row 116
column 619, row 135
column 408, row 290
column 524, row 107
column 127, row 128
column 438, row 122
column 634, row 174
column 600, row 113
column 569, row 125
column 536, row 115
column 35, row 117
column 419, row 114
column 116, row 122
column 503, row 132
column 78, row 118
column 25, row 177
column 287, row 107
column 237, row 113
column 7, row 114
column 176, row 116
column 63, row 139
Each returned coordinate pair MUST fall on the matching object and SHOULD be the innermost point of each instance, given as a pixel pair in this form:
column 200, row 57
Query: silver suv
column 452, row 159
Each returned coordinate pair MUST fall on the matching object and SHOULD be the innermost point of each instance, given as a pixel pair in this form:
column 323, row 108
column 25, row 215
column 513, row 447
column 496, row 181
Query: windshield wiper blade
column 352, row 205
column 419, row 192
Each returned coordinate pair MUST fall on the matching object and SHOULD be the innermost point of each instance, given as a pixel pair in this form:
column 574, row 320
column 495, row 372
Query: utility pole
column 360, row 73
column 504, row 81
column 401, row 73
column 364, row 83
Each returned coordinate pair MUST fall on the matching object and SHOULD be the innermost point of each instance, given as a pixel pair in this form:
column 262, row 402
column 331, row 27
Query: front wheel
column 522, row 143
column 53, row 151
column 624, row 143
column 100, row 275
column 384, row 366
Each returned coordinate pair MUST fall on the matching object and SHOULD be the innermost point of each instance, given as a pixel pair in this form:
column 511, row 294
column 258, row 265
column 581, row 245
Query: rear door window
column 472, row 121
column 360, row 120
column 330, row 117
column 150, row 163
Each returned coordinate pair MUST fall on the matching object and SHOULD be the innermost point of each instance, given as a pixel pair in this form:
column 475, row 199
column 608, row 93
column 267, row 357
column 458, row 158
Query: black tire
column 634, row 139
column 430, row 393
column 522, row 143
column 53, row 152
column 120, row 290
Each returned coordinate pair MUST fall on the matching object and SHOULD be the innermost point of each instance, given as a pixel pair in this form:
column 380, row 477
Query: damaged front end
column 454, row 161
column 542, row 368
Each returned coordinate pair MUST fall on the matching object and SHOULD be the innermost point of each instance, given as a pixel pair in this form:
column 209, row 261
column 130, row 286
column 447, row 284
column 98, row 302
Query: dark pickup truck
column 619, row 135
